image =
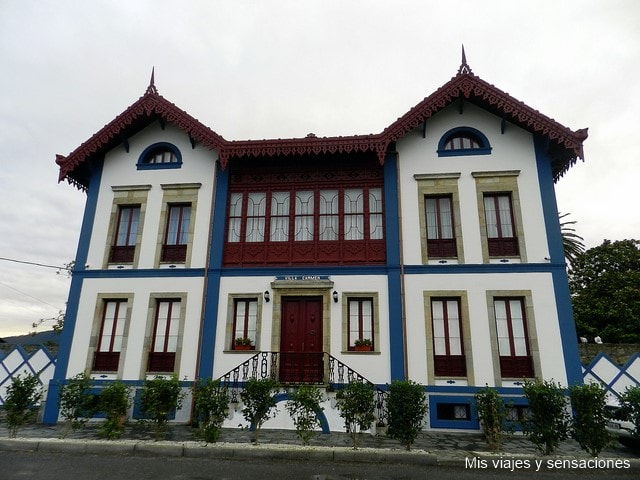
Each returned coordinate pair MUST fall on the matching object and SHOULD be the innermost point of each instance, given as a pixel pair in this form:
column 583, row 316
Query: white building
column 437, row 240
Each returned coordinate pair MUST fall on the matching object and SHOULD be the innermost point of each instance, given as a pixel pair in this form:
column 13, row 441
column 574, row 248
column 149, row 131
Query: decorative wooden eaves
column 301, row 146
column 149, row 108
column 563, row 144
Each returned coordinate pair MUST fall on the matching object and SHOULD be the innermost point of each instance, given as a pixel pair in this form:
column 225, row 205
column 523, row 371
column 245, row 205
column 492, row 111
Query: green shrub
column 630, row 403
column 114, row 402
column 77, row 403
column 210, row 408
column 590, row 417
column 20, row 401
column 356, row 404
column 259, row 403
column 160, row 397
column 303, row 406
column 548, row 422
column 406, row 408
column 492, row 414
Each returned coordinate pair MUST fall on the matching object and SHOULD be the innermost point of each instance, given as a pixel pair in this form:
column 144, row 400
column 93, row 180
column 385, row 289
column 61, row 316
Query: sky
column 282, row 69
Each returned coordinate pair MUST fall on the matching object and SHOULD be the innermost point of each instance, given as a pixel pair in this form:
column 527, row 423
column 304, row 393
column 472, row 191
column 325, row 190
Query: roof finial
column 152, row 86
column 464, row 67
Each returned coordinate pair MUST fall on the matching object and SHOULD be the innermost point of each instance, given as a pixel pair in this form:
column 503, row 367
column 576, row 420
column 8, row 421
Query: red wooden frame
column 124, row 252
column 172, row 249
column 163, row 360
column 350, row 345
column 449, row 365
column 251, row 177
column 107, row 361
column 515, row 366
column 441, row 247
column 245, row 329
column 502, row 246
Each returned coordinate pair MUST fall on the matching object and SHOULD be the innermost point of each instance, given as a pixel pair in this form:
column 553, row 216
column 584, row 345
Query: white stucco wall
column 198, row 166
column 476, row 286
column 142, row 290
column 512, row 150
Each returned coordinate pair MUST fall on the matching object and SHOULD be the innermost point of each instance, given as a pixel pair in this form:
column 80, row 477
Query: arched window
column 463, row 141
column 160, row 155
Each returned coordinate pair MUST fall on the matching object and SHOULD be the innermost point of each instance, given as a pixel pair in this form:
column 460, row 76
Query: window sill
column 362, row 352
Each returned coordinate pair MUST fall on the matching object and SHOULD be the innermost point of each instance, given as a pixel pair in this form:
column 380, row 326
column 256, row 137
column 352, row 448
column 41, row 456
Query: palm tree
column 571, row 241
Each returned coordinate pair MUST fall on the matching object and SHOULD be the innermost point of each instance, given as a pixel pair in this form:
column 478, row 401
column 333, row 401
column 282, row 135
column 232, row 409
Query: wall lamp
column 335, row 296
column 267, row 296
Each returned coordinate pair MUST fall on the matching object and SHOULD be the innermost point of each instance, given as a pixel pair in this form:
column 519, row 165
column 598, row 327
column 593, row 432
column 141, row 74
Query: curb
column 278, row 452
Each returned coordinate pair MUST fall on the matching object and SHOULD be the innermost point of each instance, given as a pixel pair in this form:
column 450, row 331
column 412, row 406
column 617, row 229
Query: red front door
column 301, row 357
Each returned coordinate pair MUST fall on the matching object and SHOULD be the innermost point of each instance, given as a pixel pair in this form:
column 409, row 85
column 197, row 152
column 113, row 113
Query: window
column 245, row 322
column 513, row 341
column 165, row 336
column 449, row 359
column 107, row 355
column 453, row 411
column 160, row 155
column 463, row 141
column 302, row 215
column 126, row 234
column 360, row 324
column 441, row 241
column 176, row 237
column 501, row 234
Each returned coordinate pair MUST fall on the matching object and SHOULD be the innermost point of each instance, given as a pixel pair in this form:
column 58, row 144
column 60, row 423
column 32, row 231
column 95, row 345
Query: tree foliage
column 211, row 403
column 356, row 405
column 406, row 407
column 605, row 286
column 259, row 403
column 548, row 422
column 572, row 243
column 589, row 403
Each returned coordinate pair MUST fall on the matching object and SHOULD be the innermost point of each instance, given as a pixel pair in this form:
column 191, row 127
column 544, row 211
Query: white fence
column 19, row 362
column 616, row 379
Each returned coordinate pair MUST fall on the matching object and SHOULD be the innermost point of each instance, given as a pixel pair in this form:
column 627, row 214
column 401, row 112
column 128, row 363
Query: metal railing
column 292, row 369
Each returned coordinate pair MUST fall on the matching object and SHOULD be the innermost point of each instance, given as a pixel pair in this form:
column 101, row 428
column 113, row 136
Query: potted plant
column 363, row 345
column 243, row 343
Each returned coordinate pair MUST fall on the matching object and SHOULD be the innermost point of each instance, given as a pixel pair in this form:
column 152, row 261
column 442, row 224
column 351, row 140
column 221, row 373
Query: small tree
column 356, row 405
column 406, row 408
column 210, row 408
column 160, row 398
column 259, row 403
column 492, row 414
column 20, row 401
column 548, row 422
column 114, row 402
column 630, row 402
column 76, row 402
column 590, row 417
column 303, row 406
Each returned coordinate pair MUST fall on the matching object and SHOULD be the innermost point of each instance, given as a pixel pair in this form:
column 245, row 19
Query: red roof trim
column 150, row 104
column 464, row 85
column 476, row 90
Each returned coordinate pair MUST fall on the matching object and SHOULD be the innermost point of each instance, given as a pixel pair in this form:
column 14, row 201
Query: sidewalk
column 430, row 448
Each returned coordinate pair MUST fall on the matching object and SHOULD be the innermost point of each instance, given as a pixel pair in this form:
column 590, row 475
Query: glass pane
column 184, row 225
column 490, row 217
column 353, row 201
column 446, row 225
column 376, row 232
column 304, row 203
column 235, row 212
column 506, row 228
column 375, row 200
column 329, row 227
column 353, row 227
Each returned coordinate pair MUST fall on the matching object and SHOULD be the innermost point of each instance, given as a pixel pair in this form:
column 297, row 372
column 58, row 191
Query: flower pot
column 243, row 347
column 362, row 348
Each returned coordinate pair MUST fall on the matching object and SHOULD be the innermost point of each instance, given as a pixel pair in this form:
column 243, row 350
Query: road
column 56, row 466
